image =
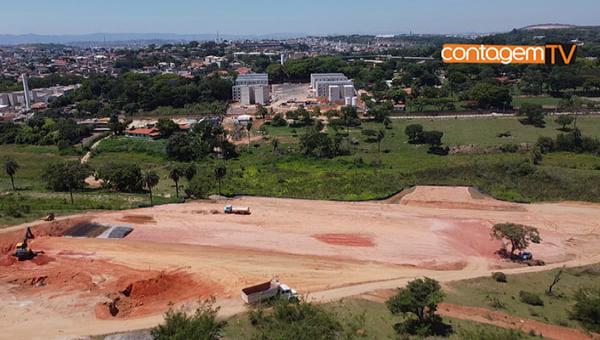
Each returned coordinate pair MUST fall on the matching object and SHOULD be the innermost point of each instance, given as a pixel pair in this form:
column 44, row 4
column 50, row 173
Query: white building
column 334, row 86
column 252, row 89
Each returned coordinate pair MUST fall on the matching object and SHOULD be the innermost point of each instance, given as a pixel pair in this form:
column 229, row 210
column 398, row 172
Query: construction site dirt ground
column 180, row 254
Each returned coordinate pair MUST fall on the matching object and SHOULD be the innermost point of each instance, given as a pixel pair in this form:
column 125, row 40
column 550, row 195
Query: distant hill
column 10, row 39
column 548, row 27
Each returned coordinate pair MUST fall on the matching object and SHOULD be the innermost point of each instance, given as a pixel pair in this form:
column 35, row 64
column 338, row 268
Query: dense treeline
column 133, row 92
column 11, row 84
column 44, row 131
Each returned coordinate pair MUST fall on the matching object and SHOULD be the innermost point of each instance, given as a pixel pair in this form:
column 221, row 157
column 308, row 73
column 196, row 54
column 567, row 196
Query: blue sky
column 284, row 16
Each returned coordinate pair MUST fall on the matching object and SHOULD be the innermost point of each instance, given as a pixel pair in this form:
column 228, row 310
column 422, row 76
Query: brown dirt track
column 327, row 249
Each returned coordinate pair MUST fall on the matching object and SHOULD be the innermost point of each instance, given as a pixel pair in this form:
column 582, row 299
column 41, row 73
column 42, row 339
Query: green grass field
column 364, row 319
column 359, row 176
column 481, row 292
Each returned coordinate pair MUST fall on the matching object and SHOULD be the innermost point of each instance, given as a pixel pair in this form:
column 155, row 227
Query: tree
column 414, row 133
column 380, row 136
column 489, row 95
column 66, row 176
column 167, row 127
column 115, row 126
column 536, row 155
column 11, row 167
column 150, row 180
column 175, row 174
column 555, row 281
column 220, row 172
column 534, row 114
column 519, row 236
column 433, row 138
column 564, row 120
column 295, row 320
column 123, row 177
column 418, row 300
column 278, row 120
column 587, row 308
column 190, row 171
column 249, row 130
column 261, row 111
column 202, row 325
column 275, row 145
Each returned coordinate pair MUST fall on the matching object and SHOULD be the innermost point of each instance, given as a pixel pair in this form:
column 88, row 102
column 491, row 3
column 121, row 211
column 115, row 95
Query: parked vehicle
column 268, row 290
column 230, row 209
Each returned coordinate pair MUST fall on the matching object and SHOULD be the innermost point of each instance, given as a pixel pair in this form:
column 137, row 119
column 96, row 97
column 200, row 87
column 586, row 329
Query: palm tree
column 150, row 180
column 11, row 167
column 220, row 172
column 175, row 174
column 249, row 129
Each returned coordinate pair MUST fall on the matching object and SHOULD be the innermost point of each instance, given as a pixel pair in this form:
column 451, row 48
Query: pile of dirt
column 348, row 240
column 455, row 198
column 147, row 296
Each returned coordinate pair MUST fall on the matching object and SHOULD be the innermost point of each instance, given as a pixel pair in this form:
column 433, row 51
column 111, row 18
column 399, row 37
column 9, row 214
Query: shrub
column 499, row 277
column 587, row 308
column 203, row 324
column 530, row 298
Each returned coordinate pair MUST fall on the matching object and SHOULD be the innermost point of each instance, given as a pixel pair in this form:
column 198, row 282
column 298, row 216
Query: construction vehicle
column 230, row 209
column 266, row 291
column 49, row 217
column 22, row 250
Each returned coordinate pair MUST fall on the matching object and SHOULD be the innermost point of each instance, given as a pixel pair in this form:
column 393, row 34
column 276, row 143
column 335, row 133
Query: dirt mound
column 348, row 240
column 153, row 294
column 138, row 219
column 455, row 198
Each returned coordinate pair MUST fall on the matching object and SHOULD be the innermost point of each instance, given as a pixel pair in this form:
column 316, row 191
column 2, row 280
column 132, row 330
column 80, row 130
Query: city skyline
column 311, row 17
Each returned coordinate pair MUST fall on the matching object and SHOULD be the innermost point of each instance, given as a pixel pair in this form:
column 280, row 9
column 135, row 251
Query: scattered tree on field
column 519, row 236
column 66, row 176
column 555, row 281
column 150, row 180
column 175, row 175
column 220, row 172
column 419, row 300
column 414, row 133
column 11, row 167
column 564, row 120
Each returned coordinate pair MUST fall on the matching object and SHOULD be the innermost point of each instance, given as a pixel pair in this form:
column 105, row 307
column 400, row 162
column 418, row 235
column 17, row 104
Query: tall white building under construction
column 334, row 86
column 252, row 89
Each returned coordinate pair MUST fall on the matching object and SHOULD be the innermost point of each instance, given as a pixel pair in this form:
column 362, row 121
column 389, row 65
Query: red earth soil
column 504, row 320
column 138, row 219
column 147, row 296
column 349, row 240
column 133, row 292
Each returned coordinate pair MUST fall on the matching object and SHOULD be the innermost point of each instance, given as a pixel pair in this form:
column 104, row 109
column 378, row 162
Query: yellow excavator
column 22, row 250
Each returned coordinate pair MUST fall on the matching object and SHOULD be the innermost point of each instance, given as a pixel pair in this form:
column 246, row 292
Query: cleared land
column 327, row 250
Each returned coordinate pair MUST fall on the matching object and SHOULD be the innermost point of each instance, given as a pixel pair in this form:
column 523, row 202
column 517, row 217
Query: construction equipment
column 49, row 217
column 230, row 209
column 266, row 291
column 22, row 250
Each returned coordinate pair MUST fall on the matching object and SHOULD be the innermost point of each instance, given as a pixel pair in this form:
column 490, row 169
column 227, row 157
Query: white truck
column 267, row 290
column 230, row 209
